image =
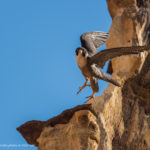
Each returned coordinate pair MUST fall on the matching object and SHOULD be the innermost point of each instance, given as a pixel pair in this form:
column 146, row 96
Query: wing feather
column 103, row 56
column 92, row 40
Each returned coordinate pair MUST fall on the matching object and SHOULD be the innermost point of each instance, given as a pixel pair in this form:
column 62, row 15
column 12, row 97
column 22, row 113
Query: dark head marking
column 77, row 51
column 83, row 50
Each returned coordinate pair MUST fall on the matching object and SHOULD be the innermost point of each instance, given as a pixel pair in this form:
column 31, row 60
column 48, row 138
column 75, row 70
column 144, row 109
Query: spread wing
column 102, row 57
column 92, row 40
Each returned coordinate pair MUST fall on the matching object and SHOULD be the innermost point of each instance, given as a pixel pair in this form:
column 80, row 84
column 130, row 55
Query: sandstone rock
column 129, row 27
column 86, row 118
column 82, row 132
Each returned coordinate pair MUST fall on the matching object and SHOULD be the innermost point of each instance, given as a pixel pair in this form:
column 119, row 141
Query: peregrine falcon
column 89, row 60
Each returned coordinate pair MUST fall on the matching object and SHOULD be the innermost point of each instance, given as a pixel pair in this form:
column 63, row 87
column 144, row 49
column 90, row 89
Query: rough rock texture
column 120, row 118
column 130, row 27
column 31, row 130
column 81, row 132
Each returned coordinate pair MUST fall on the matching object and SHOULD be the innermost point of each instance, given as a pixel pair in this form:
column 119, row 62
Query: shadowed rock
column 31, row 130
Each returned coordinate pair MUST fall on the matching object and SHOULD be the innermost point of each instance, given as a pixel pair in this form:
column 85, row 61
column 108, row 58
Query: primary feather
column 92, row 40
column 102, row 57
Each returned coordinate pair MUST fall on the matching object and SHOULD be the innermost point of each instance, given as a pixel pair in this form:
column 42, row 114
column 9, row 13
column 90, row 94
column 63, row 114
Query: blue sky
column 39, row 76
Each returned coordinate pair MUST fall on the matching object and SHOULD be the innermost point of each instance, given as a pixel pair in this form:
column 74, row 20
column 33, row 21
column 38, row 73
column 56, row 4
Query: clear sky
column 39, row 76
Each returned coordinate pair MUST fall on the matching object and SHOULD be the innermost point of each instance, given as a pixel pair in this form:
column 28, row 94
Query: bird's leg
column 83, row 86
column 92, row 96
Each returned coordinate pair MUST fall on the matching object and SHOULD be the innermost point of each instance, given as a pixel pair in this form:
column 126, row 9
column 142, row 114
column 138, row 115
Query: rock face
column 81, row 132
column 130, row 27
column 120, row 118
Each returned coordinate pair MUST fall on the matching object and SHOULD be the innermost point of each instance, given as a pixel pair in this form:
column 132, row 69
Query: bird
column 89, row 60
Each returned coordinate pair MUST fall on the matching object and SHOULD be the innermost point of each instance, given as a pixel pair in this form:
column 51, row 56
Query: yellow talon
column 82, row 87
column 92, row 96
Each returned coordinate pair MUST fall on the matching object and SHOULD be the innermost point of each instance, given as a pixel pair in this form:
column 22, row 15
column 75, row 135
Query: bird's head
column 82, row 52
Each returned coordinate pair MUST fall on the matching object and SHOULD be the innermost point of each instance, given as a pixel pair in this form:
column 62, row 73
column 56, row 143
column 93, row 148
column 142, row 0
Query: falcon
column 89, row 60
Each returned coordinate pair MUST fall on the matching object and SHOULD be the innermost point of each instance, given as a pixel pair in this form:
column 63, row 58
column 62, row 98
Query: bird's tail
column 113, row 82
column 106, row 78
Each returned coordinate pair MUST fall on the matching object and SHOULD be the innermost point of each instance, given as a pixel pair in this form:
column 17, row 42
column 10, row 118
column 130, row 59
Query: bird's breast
column 81, row 61
column 83, row 65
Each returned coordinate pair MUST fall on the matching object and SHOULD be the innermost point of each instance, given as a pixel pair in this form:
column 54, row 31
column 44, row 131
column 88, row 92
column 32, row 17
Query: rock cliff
column 120, row 118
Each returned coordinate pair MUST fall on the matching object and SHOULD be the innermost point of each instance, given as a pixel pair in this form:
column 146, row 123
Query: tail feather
column 107, row 78
column 113, row 81
column 97, row 73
